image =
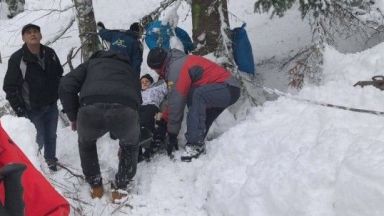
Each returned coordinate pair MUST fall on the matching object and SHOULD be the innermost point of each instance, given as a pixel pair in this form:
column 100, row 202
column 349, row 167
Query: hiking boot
column 117, row 193
column 52, row 164
column 192, row 151
column 97, row 191
column 96, row 183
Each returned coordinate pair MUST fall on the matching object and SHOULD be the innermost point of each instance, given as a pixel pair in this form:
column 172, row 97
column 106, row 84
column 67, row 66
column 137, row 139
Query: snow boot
column 52, row 164
column 192, row 151
column 96, row 183
column 97, row 191
column 118, row 193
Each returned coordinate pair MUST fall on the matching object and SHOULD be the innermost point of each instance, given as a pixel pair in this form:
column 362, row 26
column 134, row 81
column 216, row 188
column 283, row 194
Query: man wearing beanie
column 31, row 85
column 204, row 86
column 125, row 42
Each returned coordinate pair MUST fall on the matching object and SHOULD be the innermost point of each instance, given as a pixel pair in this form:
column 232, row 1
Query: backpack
column 242, row 50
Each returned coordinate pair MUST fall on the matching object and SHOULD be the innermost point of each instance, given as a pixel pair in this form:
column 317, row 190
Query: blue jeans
column 205, row 104
column 45, row 120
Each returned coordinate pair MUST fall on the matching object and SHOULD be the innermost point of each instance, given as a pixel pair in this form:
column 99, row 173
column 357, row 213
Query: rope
column 279, row 93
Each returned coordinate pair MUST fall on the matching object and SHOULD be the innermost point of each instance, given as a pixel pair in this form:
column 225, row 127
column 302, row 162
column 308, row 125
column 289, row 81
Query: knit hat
column 156, row 57
column 135, row 27
column 147, row 76
column 29, row 26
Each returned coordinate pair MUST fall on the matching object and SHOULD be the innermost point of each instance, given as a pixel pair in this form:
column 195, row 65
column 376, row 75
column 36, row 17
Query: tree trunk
column 87, row 28
column 207, row 25
column 15, row 7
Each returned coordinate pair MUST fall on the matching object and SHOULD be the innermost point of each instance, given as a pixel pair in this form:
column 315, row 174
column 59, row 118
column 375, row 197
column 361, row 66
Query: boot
column 192, row 151
column 117, row 194
column 52, row 164
column 96, row 183
column 97, row 191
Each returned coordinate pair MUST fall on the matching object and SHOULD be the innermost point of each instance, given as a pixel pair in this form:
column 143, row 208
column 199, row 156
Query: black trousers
column 147, row 116
column 93, row 121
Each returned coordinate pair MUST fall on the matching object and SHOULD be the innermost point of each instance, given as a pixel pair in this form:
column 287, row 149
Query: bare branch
column 62, row 32
column 154, row 15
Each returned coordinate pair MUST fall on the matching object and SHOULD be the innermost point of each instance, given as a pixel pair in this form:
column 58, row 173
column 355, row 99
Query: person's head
column 146, row 80
column 31, row 34
column 156, row 58
column 137, row 28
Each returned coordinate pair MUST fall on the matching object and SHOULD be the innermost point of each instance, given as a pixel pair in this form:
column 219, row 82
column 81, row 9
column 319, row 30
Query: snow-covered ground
column 287, row 158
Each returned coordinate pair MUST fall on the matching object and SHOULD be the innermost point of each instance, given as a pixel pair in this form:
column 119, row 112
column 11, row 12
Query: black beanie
column 135, row 27
column 156, row 57
column 147, row 76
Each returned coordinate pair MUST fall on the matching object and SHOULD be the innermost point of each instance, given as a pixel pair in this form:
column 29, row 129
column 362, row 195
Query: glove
column 100, row 26
column 172, row 142
column 73, row 125
column 20, row 112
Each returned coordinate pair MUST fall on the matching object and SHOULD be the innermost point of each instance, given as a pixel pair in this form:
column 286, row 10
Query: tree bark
column 15, row 7
column 207, row 25
column 87, row 28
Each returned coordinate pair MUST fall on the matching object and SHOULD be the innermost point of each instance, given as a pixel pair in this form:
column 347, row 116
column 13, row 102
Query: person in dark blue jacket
column 125, row 42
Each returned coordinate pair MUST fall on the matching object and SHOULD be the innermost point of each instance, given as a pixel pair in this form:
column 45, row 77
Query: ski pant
column 93, row 121
column 147, row 116
column 45, row 120
column 205, row 104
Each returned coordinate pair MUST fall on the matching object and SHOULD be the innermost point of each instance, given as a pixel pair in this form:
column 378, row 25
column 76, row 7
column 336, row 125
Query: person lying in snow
column 204, row 86
column 152, row 95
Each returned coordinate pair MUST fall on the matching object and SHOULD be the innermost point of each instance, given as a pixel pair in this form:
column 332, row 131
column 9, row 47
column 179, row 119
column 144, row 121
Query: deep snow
column 286, row 158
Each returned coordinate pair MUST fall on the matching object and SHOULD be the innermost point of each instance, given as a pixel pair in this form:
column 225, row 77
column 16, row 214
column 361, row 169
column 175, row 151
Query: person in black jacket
column 31, row 85
column 108, row 102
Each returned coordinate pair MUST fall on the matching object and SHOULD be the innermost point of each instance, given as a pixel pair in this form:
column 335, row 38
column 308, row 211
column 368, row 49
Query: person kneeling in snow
column 108, row 102
column 204, row 86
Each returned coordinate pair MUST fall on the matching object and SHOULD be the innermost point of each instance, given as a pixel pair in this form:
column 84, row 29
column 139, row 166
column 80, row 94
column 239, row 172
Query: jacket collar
column 30, row 57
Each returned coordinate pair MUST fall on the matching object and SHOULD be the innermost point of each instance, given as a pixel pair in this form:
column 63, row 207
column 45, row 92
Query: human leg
column 90, row 126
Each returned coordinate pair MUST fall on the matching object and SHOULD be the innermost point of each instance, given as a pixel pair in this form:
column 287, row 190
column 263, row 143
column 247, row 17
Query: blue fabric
column 159, row 35
column 185, row 39
column 125, row 43
column 45, row 121
column 242, row 50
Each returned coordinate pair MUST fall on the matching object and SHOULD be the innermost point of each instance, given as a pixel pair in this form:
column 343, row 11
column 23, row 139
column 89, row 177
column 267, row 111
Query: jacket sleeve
column 137, row 57
column 106, row 34
column 12, row 85
column 59, row 67
column 70, row 86
column 178, row 89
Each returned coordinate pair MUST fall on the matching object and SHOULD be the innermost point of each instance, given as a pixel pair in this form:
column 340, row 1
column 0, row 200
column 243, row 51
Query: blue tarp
column 158, row 35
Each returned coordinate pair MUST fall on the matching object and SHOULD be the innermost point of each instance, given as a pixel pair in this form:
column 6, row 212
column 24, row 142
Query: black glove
column 100, row 26
column 172, row 143
column 20, row 112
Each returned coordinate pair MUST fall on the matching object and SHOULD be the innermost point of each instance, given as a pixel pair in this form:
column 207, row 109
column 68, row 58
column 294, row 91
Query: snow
column 285, row 158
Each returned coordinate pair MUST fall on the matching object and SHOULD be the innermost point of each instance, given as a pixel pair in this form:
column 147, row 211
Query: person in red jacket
column 204, row 86
column 39, row 197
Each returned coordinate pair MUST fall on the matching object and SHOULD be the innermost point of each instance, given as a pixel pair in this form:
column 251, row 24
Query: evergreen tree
column 329, row 20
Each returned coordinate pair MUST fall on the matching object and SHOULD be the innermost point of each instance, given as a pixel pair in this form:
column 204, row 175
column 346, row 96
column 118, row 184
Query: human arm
column 12, row 86
column 69, row 88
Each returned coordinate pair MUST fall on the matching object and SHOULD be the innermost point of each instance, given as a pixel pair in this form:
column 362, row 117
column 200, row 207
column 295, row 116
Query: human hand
column 73, row 125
